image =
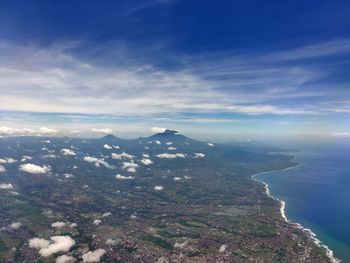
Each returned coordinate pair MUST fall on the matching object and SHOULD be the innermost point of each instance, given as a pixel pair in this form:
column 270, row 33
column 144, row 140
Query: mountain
column 110, row 138
column 169, row 135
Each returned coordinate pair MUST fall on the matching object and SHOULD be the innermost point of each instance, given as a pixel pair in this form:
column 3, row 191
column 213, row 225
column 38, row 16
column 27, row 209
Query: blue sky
column 210, row 69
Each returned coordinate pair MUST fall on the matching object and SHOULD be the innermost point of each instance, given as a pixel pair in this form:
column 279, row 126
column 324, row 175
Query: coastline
column 308, row 231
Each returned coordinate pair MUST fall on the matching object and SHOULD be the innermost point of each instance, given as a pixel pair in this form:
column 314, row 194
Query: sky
column 220, row 70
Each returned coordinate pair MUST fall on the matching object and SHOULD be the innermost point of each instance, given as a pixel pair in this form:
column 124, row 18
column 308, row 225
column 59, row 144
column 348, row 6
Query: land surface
column 165, row 198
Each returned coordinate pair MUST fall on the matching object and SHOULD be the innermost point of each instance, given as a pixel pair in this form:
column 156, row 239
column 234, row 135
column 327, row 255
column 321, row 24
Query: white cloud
column 341, row 134
column 55, row 245
column 15, row 225
column 68, row 152
column 50, row 156
column 169, row 143
column 123, row 177
column 97, row 222
column 157, row 130
column 25, row 158
column 94, row 256
column 15, row 131
column 177, row 178
column 199, row 155
column 131, row 170
column 38, row 243
column 171, row 148
column 210, row 144
column 146, row 161
column 47, row 131
column 158, row 188
column 106, row 214
column 41, row 131
column 103, row 131
column 7, row 160
column 34, row 169
column 145, row 155
column 97, row 162
column 111, row 242
column 68, row 175
column 170, row 155
column 127, row 165
column 122, row 155
column 2, row 169
column 65, row 259
column 222, row 248
column 58, row 224
column 106, row 146
column 158, row 142
column 6, row 186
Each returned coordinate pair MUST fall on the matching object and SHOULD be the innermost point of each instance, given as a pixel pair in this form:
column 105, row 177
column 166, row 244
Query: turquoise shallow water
column 317, row 194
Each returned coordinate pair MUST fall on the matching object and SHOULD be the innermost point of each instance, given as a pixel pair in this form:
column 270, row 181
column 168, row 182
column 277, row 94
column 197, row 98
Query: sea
column 316, row 193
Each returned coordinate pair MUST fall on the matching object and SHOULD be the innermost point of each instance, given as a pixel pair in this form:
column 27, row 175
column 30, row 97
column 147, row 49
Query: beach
column 283, row 204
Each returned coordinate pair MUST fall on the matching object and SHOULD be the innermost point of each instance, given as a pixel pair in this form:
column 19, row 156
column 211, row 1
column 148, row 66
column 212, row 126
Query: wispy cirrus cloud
column 214, row 88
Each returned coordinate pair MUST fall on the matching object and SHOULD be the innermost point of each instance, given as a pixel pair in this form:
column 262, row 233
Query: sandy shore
column 308, row 231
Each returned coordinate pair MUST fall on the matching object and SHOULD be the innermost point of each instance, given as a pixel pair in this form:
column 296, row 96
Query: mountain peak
column 168, row 132
column 109, row 137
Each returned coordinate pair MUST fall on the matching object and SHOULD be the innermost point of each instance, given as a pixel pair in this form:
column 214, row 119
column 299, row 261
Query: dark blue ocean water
column 317, row 193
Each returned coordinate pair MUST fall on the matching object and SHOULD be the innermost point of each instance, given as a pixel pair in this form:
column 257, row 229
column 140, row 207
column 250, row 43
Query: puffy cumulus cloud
column 94, row 256
column 158, row 142
column 146, row 161
column 39, row 243
column 68, row 152
column 341, row 134
column 123, row 177
column 97, row 222
column 122, row 155
column 171, row 148
column 55, row 245
column 65, row 259
column 26, row 158
column 222, row 248
column 169, row 143
column 15, row 225
column 145, row 155
column 2, row 169
column 170, row 155
column 199, row 155
column 157, row 130
column 34, row 169
column 158, row 188
column 106, row 146
column 7, row 160
column 130, row 166
column 106, row 214
column 68, row 175
column 6, row 186
column 58, row 224
column 102, row 131
column 177, row 178
column 210, row 144
column 97, row 162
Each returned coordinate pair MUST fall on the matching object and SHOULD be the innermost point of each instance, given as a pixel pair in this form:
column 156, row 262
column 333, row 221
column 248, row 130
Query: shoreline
column 312, row 235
